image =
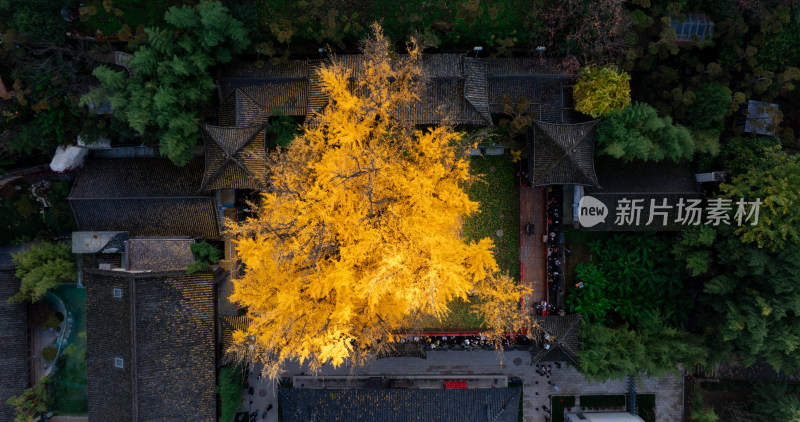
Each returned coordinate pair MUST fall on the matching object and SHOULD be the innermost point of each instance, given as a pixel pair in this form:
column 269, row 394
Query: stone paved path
column 668, row 389
column 533, row 252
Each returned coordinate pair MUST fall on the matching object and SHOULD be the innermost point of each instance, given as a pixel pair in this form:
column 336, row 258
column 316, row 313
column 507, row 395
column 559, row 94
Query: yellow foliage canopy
column 360, row 233
column 601, row 90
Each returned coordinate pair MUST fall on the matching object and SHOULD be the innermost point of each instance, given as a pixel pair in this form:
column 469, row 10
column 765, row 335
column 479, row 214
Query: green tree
column 754, row 301
column 41, row 268
column 709, row 107
column 601, row 90
column 283, row 129
column 706, row 141
column 741, row 154
column 172, row 82
column 776, row 402
column 693, row 248
column 633, row 275
column 49, row 353
column 637, row 132
column 617, row 352
column 231, row 380
column 773, row 178
column 205, row 254
column 34, row 20
column 32, row 402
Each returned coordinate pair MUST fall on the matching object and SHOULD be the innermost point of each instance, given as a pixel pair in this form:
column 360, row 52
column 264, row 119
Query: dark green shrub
column 231, row 382
column 52, row 321
column 49, row 353
column 602, row 401
column 205, row 254
column 709, row 108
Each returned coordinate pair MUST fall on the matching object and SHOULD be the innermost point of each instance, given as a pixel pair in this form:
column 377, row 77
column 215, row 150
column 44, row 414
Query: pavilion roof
column 235, row 157
column 559, row 338
column 562, row 153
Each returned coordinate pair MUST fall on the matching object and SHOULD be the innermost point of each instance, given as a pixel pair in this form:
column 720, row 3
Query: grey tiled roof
column 466, row 90
column 144, row 196
column 235, row 157
column 230, row 324
column 250, row 94
column 562, row 154
column 400, row 405
column 541, row 82
column 456, row 89
column 136, row 178
column 13, row 344
column 163, row 327
column 563, row 332
column 159, row 254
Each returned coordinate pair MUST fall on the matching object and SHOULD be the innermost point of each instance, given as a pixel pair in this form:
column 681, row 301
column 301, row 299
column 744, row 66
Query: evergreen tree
column 633, row 275
column 638, row 133
column 776, row 402
column 693, row 248
column 171, row 81
column 754, row 299
column 617, row 352
column 709, row 107
column 742, row 154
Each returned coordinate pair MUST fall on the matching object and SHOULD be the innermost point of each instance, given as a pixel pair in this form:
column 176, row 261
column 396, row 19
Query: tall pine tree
column 171, row 82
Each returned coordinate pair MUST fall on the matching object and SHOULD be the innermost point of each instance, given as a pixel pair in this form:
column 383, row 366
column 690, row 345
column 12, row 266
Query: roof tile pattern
column 108, row 336
column 230, row 324
column 163, row 326
column 400, row 405
column 13, row 343
column 144, row 196
column 250, row 93
column 159, row 254
column 563, row 331
column 453, row 93
column 562, row 153
column 136, row 178
column 540, row 82
column 464, row 90
column 476, row 87
column 316, row 98
column 235, row 157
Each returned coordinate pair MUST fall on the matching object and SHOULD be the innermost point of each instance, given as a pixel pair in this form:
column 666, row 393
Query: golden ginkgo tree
column 359, row 234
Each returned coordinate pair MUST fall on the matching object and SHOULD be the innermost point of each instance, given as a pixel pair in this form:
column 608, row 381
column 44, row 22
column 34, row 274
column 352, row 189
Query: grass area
column 646, row 407
column 559, row 405
column 460, row 319
column 70, row 395
column 602, row 401
column 499, row 210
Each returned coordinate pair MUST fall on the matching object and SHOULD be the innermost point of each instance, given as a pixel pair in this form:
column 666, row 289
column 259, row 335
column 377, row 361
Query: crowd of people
column 555, row 255
column 465, row 342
